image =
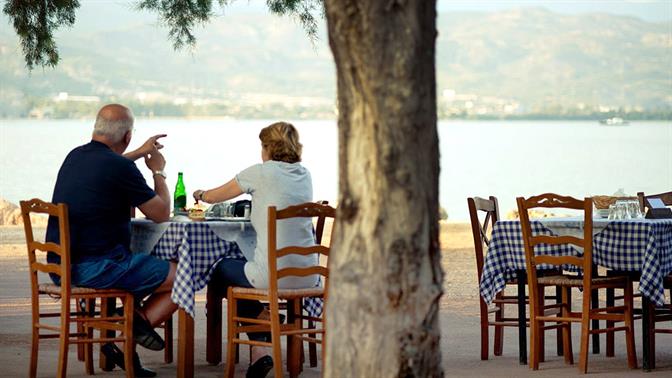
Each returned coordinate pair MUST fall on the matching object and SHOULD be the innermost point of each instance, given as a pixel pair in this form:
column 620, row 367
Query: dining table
column 196, row 246
column 639, row 246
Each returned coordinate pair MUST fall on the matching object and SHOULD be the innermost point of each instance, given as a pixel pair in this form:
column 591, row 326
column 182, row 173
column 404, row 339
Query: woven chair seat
column 283, row 293
column 53, row 289
column 563, row 280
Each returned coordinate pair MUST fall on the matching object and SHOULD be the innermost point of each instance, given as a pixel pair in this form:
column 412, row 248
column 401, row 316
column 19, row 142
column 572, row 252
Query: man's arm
column 157, row 208
column 150, row 146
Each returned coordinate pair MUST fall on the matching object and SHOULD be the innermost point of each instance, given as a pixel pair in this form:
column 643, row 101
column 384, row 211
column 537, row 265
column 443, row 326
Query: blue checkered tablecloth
column 197, row 246
column 638, row 245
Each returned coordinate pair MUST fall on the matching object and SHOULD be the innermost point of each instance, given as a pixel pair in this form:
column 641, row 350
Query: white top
column 280, row 184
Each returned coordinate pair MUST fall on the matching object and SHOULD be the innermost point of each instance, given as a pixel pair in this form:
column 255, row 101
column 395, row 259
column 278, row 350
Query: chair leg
column 168, row 336
column 567, row 327
column 630, row 330
column 585, row 334
column 610, row 324
column 129, row 344
column 484, row 329
column 213, row 334
column 275, row 337
column 294, row 342
column 312, row 348
column 107, row 307
column 35, row 342
column 81, row 307
column 559, row 349
column 89, row 308
column 541, row 335
column 595, row 322
column 522, row 327
column 231, row 331
column 534, row 333
column 64, row 340
column 499, row 330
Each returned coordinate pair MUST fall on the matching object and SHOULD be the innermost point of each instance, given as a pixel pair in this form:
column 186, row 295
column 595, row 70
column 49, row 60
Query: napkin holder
column 657, row 209
column 659, row 213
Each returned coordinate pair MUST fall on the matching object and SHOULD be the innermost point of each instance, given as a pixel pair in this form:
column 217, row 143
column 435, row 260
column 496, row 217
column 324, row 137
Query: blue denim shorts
column 138, row 273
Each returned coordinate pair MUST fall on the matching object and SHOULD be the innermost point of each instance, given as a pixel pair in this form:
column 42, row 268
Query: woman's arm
column 219, row 194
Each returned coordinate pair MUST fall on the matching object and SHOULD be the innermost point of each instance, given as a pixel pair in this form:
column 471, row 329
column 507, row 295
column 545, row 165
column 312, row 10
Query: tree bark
column 385, row 273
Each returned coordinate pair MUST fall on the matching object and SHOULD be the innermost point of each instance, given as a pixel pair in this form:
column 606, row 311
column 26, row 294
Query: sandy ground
column 460, row 346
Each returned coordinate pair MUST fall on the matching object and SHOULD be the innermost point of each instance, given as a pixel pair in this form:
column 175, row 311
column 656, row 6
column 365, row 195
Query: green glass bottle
column 180, row 196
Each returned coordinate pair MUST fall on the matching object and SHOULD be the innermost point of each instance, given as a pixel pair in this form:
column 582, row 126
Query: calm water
column 501, row 158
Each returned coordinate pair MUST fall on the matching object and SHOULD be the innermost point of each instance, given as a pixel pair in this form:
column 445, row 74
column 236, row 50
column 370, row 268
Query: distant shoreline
column 225, row 118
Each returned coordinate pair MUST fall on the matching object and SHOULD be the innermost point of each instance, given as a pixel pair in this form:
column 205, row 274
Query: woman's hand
column 219, row 194
column 198, row 195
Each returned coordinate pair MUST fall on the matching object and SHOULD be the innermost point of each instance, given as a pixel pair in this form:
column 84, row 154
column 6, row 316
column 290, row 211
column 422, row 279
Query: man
column 100, row 185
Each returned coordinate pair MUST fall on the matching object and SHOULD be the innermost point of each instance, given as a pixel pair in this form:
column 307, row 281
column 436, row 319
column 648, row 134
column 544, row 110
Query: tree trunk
column 386, row 278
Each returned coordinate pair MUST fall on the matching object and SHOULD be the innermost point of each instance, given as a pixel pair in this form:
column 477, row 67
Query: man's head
column 114, row 126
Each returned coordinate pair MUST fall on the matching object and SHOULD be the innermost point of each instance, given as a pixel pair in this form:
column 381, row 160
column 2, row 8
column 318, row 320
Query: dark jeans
column 231, row 272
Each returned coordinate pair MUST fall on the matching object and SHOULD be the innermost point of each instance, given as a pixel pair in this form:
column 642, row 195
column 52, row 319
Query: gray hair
column 114, row 129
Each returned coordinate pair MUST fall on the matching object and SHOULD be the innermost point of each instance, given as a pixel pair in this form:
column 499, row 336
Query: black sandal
column 260, row 367
column 145, row 335
column 143, row 332
column 114, row 354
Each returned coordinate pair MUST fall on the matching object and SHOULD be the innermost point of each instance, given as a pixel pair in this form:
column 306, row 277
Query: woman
column 281, row 181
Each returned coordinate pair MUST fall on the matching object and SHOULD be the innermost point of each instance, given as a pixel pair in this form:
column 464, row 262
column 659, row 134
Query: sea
column 506, row 159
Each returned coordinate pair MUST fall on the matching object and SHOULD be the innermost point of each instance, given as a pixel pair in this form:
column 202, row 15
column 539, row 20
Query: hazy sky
column 650, row 10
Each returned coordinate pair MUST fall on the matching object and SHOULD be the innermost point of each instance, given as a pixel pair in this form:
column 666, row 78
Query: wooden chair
column 635, row 277
column 69, row 295
column 644, row 204
column 294, row 329
column 482, row 238
column 588, row 283
column 664, row 313
column 481, row 233
column 659, row 315
column 213, row 349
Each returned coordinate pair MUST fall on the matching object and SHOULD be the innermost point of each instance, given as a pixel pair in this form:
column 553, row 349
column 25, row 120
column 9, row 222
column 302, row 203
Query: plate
column 602, row 213
column 227, row 219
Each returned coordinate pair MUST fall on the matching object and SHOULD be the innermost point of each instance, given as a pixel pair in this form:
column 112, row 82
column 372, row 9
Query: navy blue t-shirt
column 100, row 187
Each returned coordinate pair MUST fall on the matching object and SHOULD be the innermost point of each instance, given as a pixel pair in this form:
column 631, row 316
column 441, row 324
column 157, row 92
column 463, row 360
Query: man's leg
column 159, row 307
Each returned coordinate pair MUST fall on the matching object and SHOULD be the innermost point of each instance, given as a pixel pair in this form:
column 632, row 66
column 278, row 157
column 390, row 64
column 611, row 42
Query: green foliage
column 35, row 22
column 443, row 214
column 301, row 9
column 181, row 16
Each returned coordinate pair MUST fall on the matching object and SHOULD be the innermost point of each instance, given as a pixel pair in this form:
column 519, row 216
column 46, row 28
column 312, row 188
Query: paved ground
column 459, row 325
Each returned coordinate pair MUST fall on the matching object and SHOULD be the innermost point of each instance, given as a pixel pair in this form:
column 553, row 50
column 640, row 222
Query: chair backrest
column 319, row 226
column 60, row 212
column 644, row 203
column 481, row 231
column 305, row 210
column 530, row 241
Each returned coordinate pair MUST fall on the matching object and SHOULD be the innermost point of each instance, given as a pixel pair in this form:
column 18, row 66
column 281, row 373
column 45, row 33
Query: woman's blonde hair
column 281, row 141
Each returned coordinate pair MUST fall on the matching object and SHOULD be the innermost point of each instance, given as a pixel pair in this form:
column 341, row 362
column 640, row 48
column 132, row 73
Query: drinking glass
column 612, row 212
column 622, row 210
column 635, row 211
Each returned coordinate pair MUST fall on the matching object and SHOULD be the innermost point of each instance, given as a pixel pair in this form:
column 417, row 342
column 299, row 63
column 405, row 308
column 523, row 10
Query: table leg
column 213, row 334
column 185, row 345
column 521, row 276
column 647, row 362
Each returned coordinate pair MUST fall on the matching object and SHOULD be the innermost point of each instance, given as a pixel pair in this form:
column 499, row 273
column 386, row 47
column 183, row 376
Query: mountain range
column 539, row 60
